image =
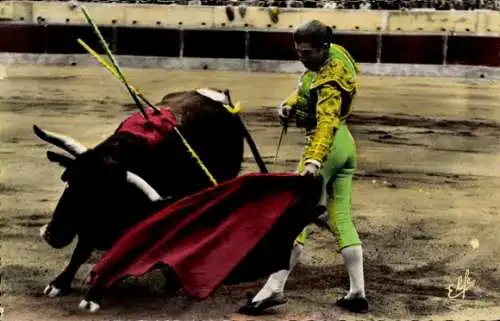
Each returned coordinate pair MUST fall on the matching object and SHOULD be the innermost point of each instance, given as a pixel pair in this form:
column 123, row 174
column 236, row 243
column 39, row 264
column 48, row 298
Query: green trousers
column 337, row 172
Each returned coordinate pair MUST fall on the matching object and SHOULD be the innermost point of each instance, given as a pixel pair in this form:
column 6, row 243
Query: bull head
column 64, row 235
column 76, row 148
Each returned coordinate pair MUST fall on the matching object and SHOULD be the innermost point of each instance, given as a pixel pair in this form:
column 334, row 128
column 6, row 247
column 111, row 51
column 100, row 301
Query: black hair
column 315, row 33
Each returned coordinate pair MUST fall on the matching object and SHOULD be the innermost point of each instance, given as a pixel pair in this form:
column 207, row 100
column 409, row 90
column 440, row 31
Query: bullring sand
column 426, row 196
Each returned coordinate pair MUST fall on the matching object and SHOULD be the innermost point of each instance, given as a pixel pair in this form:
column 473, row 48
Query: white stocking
column 353, row 261
column 276, row 281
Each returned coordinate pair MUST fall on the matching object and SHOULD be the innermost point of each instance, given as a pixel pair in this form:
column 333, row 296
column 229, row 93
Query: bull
column 122, row 180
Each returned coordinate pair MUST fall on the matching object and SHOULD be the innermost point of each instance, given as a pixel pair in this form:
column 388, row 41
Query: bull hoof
column 92, row 301
column 89, row 306
column 58, row 287
column 52, row 291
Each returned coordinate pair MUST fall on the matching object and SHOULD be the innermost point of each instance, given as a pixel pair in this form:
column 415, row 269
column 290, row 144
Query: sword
column 283, row 133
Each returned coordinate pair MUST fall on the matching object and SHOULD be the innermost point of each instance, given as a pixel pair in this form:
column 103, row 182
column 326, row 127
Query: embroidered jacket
column 323, row 100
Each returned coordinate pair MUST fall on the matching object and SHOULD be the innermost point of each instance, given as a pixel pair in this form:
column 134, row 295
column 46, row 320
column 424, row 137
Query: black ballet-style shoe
column 356, row 305
column 258, row 307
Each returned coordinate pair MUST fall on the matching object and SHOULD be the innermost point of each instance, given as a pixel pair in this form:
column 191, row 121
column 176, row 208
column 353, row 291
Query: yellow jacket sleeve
column 328, row 110
column 292, row 100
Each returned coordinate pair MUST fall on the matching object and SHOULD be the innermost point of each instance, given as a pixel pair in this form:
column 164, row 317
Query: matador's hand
column 284, row 112
column 310, row 169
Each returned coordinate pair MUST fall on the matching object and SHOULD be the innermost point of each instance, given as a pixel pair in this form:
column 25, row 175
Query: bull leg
column 92, row 300
column 62, row 283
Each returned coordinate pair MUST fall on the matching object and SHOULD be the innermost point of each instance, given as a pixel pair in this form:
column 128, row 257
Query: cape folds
column 237, row 231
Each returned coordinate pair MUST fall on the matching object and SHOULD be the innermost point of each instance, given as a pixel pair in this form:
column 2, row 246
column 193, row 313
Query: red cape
column 237, row 231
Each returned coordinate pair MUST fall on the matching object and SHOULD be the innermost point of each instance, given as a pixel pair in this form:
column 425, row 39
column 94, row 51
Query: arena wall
column 447, row 43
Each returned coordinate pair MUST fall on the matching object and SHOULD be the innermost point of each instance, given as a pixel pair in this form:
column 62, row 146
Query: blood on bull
column 130, row 175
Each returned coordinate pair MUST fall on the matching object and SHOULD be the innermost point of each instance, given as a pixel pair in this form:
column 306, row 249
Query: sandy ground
column 426, row 197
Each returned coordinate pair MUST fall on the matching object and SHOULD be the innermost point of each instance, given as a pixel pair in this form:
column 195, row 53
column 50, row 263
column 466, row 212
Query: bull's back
column 214, row 134
column 211, row 131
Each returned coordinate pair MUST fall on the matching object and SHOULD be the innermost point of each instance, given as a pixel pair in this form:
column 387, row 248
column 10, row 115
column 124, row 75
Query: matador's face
column 312, row 58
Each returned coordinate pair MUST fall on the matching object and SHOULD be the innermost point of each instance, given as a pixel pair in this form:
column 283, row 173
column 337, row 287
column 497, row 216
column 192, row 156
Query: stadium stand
column 333, row 4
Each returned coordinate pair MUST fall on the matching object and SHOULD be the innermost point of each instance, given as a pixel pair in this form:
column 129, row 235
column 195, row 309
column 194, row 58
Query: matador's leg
column 272, row 293
column 341, row 221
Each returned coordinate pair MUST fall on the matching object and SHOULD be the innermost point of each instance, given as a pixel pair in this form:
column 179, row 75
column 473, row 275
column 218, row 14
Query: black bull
column 118, row 183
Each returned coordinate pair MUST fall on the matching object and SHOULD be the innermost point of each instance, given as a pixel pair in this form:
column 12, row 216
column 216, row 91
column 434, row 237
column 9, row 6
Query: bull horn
column 65, row 142
column 136, row 180
column 228, row 95
column 213, row 95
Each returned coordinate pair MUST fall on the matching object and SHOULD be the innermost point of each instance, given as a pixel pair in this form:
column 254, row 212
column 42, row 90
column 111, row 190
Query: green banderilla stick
column 114, row 72
column 114, row 62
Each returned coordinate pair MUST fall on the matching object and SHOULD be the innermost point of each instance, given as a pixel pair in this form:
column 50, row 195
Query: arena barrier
column 449, row 43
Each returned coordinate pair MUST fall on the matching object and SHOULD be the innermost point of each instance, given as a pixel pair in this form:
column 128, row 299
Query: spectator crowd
column 365, row 4
column 334, row 4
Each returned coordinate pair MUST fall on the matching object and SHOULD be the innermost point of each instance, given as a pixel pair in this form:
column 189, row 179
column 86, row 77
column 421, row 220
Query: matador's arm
column 328, row 110
column 295, row 98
